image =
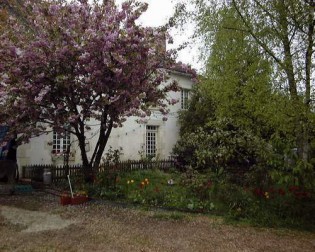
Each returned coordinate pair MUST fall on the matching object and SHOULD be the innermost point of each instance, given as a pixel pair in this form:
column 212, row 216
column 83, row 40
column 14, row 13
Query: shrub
column 221, row 144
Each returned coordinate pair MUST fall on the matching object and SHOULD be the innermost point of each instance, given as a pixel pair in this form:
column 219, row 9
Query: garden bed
column 207, row 193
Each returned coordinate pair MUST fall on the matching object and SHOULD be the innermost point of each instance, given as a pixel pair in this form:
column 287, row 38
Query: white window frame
column 151, row 139
column 184, row 98
column 61, row 141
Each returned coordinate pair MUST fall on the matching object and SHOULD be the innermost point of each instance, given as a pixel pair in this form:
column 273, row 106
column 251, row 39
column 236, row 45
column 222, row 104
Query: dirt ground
column 37, row 222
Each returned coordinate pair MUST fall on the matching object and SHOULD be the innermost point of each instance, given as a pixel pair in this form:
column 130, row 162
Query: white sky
column 157, row 14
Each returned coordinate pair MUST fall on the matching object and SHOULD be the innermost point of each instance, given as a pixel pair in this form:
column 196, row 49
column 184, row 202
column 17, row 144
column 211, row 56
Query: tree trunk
column 79, row 129
column 102, row 146
column 301, row 111
column 304, row 153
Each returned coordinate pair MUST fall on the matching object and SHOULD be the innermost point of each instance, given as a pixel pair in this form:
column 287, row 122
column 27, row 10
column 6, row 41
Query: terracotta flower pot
column 65, row 199
column 78, row 199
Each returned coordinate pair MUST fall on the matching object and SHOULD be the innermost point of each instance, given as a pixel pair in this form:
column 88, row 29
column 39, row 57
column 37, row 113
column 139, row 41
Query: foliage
column 153, row 188
column 240, row 116
column 222, row 146
column 270, row 205
column 112, row 156
column 78, row 62
column 257, row 75
column 201, row 110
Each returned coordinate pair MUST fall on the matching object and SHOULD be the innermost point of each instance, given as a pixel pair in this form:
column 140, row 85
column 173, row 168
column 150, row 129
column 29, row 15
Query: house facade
column 149, row 137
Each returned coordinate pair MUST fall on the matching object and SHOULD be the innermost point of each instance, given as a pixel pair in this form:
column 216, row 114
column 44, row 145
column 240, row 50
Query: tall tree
column 79, row 61
column 233, row 104
column 285, row 32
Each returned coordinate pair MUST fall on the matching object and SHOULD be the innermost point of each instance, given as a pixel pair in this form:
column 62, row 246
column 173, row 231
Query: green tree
column 259, row 65
column 285, row 32
column 221, row 126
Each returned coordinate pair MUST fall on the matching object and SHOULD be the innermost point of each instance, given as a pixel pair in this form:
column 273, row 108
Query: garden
column 246, row 142
column 207, row 192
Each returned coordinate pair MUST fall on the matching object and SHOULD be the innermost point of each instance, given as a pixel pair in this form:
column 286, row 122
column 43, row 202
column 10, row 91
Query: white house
column 153, row 137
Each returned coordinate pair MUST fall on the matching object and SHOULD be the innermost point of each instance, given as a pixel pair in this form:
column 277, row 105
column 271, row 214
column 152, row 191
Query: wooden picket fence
column 35, row 172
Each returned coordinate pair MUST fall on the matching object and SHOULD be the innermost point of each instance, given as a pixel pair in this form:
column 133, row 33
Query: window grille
column 151, row 140
column 61, row 141
column 184, row 98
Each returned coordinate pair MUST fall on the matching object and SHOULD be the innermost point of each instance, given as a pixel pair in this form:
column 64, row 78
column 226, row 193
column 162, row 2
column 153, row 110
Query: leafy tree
column 201, row 110
column 232, row 98
column 78, row 62
column 258, row 73
column 285, row 32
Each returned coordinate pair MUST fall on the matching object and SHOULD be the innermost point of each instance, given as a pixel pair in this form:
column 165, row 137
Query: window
column 151, row 140
column 61, row 141
column 184, row 98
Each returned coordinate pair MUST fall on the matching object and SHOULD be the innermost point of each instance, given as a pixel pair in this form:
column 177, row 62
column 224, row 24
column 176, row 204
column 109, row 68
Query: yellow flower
column 142, row 183
column 267, row 195
column 131, row 181
column 146, row 180
column 128, row 182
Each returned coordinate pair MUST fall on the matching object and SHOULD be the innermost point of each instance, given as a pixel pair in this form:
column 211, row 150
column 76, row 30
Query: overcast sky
column 157, row 14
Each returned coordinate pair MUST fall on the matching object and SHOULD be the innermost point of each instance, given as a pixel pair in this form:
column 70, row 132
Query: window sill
column 61, row 157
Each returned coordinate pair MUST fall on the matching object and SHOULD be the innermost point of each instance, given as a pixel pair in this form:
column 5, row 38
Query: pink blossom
column 83, row 62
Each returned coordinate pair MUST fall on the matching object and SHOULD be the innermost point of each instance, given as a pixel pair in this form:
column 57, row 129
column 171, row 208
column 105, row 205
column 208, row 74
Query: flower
column 267, row 195
column 142, row 184
column 132, row 181
column 293, row 188
column 281, row 191
column 128, row 182
column 258, row 192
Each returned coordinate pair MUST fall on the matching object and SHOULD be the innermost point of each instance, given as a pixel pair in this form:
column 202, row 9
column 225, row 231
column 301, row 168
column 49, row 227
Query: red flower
column 281, row 191
column 207, row 184
column 293, row 188
column 259, row 192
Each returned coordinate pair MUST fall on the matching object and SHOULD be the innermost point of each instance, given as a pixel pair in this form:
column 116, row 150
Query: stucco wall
column 131, row 137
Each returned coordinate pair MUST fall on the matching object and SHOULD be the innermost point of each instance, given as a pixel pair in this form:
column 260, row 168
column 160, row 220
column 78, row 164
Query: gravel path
column 34, row 221
column 38, row 222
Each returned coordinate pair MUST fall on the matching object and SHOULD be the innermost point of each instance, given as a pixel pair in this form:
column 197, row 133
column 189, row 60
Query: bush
column 221, row 144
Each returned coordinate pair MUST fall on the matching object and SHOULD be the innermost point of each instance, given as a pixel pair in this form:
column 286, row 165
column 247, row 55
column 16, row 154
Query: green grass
column 166, row 215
